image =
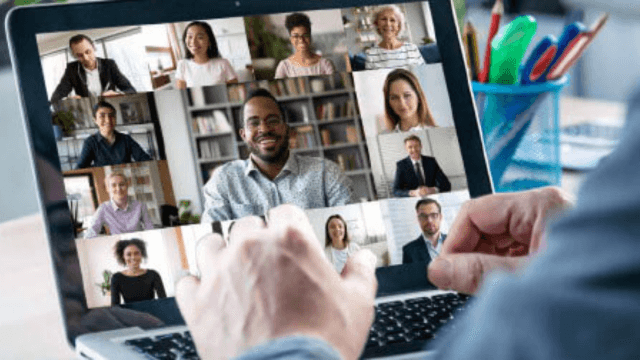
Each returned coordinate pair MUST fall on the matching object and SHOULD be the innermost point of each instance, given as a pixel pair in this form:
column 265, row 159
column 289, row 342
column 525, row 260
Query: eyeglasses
column 300, row 37
column 271, row 122
column 430, row 216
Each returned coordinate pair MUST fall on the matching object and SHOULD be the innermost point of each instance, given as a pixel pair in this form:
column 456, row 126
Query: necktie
column 420, row 176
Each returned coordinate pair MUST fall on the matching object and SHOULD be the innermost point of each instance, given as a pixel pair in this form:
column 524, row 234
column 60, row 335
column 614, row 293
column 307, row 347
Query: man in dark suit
column 428, row 245
column 418, row 175
column 90, row 74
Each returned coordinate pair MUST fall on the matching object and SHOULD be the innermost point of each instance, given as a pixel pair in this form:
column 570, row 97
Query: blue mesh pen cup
column 520, row 127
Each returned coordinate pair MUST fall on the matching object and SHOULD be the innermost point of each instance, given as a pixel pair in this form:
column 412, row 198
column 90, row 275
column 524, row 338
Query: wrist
column 296, row 346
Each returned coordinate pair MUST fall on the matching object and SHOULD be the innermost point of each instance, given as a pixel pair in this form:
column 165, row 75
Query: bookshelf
column 321, row 111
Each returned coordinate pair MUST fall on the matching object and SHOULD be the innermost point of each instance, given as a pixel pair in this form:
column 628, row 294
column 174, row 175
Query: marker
column 508, row 48
column 496, row 15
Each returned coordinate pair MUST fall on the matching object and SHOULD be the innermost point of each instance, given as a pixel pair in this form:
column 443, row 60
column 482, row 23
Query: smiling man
column 271, row 176
column 418, row 175
column 119, row 214
column 107, row 146
column 90, row 75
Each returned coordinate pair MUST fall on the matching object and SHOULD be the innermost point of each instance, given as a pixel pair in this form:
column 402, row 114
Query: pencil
column 471, row 47
column 496, row 14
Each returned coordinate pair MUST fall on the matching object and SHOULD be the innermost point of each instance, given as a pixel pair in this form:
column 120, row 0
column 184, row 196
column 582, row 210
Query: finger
column 360, row 272
column 244, row 226
column 208, row 250
column 186, row 290
column 285, row 217
column 466, row 272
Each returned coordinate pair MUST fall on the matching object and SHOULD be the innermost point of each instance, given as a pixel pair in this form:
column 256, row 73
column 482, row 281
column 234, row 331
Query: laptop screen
column 171, row 131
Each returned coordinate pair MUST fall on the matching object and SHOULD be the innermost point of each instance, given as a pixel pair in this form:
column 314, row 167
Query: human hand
column 274, row 281
column 181, row 84
column 110, row 93
column 497, row 231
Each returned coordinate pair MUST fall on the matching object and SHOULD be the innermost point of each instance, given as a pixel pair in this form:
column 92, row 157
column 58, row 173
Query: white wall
column 174, row 125
column 97, row 255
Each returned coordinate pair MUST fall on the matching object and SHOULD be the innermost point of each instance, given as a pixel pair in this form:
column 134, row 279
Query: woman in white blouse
column 203, row 65
column 338, row 246
column 303, row 62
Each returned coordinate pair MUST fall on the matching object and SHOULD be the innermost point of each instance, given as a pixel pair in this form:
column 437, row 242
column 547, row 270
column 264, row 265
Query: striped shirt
column 132, row 218
column 379, row 58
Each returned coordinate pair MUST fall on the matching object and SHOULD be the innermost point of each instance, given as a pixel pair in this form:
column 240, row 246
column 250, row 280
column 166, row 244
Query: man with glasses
column 428, row 245
column 271, row 176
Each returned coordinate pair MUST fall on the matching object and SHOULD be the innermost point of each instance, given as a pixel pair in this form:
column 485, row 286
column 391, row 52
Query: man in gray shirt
column 271, row 176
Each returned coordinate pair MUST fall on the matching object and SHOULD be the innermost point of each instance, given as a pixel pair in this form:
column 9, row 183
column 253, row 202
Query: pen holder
column 520, row 127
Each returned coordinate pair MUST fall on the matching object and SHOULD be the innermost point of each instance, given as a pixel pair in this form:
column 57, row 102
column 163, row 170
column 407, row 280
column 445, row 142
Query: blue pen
column 570, row 33
column 539, row 61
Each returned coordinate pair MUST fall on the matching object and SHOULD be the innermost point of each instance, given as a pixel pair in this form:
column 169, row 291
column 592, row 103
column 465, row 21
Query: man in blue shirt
column 271, row 176
column 107, row 146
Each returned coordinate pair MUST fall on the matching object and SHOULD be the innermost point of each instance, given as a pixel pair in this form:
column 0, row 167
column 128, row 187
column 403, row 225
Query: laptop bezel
column 24, row 23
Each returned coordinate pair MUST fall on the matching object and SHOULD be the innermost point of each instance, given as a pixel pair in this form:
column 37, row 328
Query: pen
column 496, row 14
column 508, row 48
column 471, row 48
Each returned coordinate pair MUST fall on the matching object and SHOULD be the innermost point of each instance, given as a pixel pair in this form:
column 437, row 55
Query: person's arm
column 442, row 182
column 216, row 205
column 117, row 79
column 280, row 70
column 181, row 82
column 327, row 67
column 337, row 185
column 137, row 153
column 229, row 74
column 146, row 219
column 87, row 155
column 64, row 86
column 158, row 286
column 97, row 221
column 418, row 54
column 399, row 185
column 406, row 256
column 115, row 290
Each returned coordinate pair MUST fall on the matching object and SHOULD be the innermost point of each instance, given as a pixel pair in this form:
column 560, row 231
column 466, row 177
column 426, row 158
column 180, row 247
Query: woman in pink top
column 203, row 65
column 303, row 62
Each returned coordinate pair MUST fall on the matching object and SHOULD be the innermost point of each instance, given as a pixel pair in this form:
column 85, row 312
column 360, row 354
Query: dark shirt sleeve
column 115, row 289
column 118, row 80
column 87, row 155
column 158, row 286
column 399, row 185
column 64, row 87
column 442, row 182
column 136, row 150
column 406, row 258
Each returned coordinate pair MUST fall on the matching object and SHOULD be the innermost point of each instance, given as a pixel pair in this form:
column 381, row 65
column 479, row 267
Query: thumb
column 360, row 272
column 466, row 272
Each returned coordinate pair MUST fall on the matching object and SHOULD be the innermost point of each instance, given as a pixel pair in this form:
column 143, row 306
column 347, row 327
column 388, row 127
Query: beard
column 276, row 156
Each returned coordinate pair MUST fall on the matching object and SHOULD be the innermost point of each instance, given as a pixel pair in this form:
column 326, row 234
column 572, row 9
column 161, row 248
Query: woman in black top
column 134, row 283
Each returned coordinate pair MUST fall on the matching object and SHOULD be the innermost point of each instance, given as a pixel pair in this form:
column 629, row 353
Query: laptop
column 129, row 174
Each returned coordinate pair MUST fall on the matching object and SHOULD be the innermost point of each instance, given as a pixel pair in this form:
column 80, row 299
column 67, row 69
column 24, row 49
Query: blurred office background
column 606, row 71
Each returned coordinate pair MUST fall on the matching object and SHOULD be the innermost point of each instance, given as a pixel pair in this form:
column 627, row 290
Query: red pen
column 496, row 14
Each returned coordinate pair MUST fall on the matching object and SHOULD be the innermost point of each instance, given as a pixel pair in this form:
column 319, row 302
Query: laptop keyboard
column 174, row 346
column 405, row 326
column 399, row 326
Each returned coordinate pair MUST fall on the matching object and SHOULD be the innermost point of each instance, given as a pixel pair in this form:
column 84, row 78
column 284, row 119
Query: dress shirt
column 132, row 218
column 434, row 252
column 96, row 151
column 238, row 188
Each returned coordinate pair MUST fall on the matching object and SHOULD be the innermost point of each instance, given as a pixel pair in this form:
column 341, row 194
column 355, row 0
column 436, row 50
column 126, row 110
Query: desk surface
column 30, row 319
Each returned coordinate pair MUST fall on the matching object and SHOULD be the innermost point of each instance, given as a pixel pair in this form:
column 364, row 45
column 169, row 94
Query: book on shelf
column 237, row 93
column 346, row 80
column 290, row 85
column 214, row 123
column 348, row 162
column 325, row 134
column 352, row 134
column 332, row 110
column 305, row 137
column 210, row 149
